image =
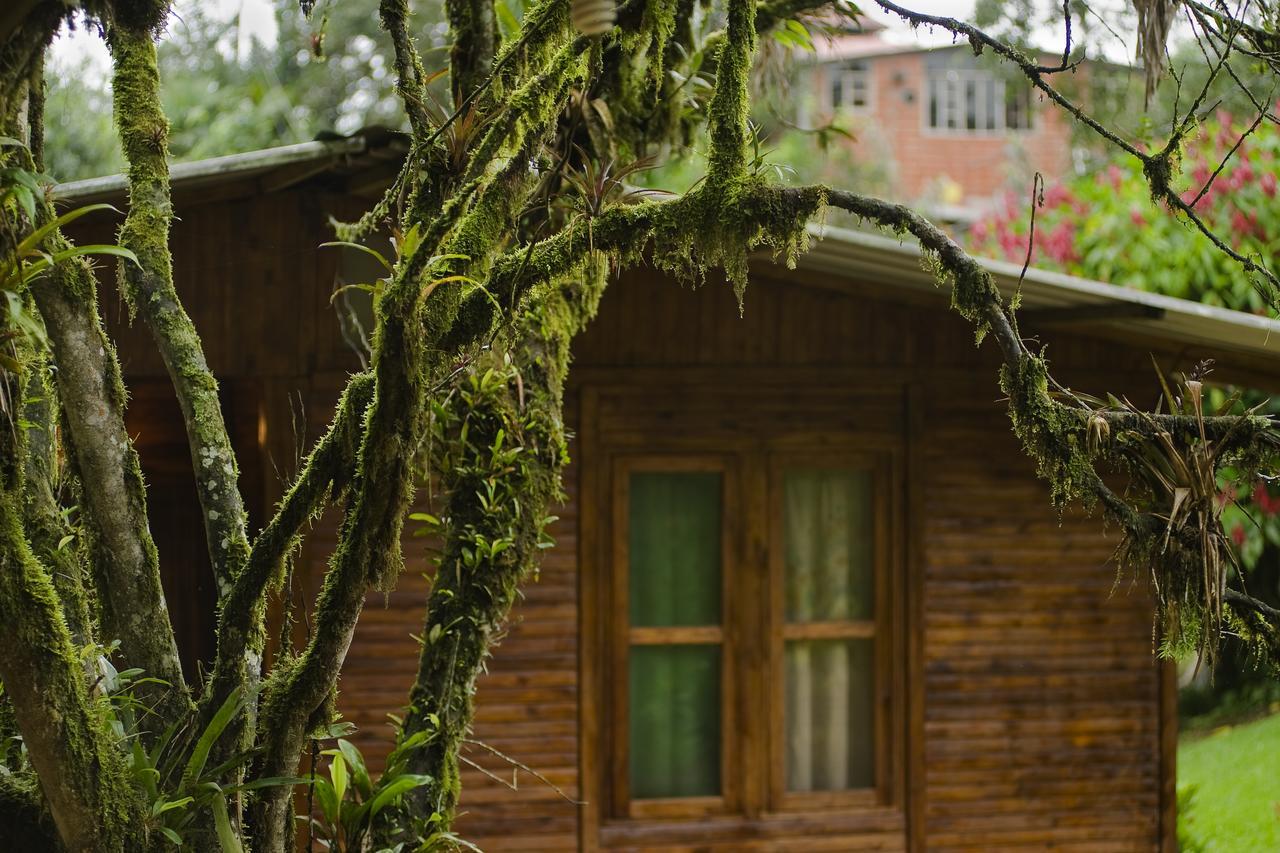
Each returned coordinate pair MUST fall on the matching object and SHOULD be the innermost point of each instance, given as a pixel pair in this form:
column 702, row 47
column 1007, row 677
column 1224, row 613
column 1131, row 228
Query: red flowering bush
column 1104, row 226
column 1086, row 226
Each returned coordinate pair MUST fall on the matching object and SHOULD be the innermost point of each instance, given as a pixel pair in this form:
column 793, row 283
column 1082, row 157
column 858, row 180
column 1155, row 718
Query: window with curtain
column 702, row 619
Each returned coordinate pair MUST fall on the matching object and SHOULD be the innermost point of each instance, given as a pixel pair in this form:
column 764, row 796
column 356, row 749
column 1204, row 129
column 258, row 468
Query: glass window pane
column 674, row 542
column 828, row 530
column 830, row 733
column 675, row 721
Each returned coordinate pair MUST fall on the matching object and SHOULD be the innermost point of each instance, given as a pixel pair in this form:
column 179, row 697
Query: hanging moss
column 1052, row 434
column 500, row 450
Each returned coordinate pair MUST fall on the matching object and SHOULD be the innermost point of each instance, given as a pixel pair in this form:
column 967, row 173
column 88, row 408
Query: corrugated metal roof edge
column 231, row 164
column 847, row 252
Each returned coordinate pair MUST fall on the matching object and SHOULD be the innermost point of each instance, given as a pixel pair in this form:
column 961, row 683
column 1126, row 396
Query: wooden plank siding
column 1028, row 706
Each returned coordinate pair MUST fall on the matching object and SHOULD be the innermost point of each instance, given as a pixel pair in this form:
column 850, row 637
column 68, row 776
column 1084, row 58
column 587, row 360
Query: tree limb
column 52, row 538
column 126, row 566
column 501, row 480
column 80, row 767
column 323, row 478
column 148, row 288
column 474, row 26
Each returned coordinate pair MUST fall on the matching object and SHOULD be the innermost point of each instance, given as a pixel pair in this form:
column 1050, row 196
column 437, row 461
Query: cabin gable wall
column 1028, row 706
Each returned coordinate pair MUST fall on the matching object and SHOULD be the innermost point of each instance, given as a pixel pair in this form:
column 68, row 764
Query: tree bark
column 69, row 744
column 126, row 567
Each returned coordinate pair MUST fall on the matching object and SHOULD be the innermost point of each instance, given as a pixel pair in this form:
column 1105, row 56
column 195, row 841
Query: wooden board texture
column 1030, row 712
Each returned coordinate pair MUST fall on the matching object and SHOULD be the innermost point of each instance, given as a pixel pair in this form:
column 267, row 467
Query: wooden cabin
column 807, row 593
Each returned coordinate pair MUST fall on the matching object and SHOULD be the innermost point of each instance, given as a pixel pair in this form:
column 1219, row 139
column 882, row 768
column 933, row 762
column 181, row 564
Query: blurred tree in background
column 226, row 92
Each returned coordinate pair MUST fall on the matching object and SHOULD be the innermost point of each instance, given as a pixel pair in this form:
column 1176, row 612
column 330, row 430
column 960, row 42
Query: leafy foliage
column 349, row 800
column 226, row 91
column 1079, row 223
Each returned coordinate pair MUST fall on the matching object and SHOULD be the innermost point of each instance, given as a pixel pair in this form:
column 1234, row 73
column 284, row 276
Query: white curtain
column 829, row 577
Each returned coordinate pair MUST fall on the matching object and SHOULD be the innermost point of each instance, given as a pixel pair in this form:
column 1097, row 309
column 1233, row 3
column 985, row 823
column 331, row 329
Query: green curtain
column 675, row 721
column 674, row 559
column 674, row 541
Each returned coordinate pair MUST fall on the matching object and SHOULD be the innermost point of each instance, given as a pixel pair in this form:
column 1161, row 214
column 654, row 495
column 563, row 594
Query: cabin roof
column 370, row 158
column 1054, row 299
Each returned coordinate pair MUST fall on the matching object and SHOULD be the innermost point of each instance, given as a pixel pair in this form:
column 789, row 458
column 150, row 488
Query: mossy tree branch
column 53, row 539
column 323, row 479
column 68, row 742
column 126, row 570
column 503, row 448
column 729, row 114
column 474, row 26
column 149, row 290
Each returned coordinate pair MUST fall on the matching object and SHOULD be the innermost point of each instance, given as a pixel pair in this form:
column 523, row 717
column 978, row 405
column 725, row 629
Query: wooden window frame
column 622, row 636
column 880, row 629
column 753, row 781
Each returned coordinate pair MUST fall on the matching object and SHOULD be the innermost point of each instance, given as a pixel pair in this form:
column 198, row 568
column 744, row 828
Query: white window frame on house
column 851, row 77
column 973, row 102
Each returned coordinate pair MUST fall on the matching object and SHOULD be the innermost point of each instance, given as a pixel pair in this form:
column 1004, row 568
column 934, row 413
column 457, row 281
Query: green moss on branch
column 148, row 288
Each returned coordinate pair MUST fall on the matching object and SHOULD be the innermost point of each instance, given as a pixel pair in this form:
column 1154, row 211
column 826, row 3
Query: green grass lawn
column 1236, row 774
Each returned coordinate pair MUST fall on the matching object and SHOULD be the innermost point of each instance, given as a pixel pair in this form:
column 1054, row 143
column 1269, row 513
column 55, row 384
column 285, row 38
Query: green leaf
column 338, row 773
column 227, row 837
column 359, row 773
column 162, row 805
column 200, row 754
column 62, row 543
column 396, row 789
column 507, row 20
column 324, row 795
column 171, row 835
column 36, row 237
column 373, row 253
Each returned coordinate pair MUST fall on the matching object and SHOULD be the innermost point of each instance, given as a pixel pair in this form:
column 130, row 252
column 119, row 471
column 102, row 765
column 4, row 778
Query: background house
column 946, row 126
column 806, row 593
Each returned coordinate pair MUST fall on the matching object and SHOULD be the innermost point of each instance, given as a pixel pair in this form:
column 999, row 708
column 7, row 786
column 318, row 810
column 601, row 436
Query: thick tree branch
column 728, row 116
column 323, row 479
column 504, row 447
column 148, row 287
column 68, row 742
column 474, row 26
column 1241, row 600
column 394, row 16
column 52, row 538
column 126, row 567
column 417, row 313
